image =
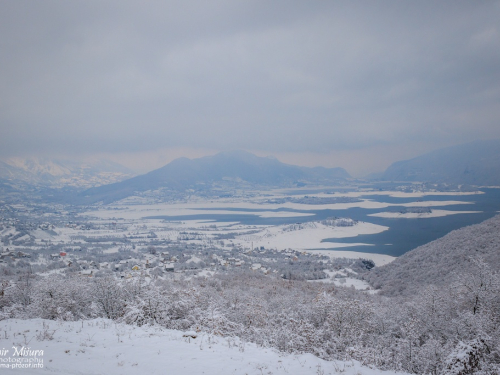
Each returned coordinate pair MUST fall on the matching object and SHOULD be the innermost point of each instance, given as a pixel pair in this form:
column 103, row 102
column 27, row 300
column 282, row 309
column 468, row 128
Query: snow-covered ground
column 341, row 278
column 420, row 215
column 133, row 221
column 105, row 347
column 272, row 204
column 261, row 207
column 309, row 237
column 417, row 194
column 379, row 259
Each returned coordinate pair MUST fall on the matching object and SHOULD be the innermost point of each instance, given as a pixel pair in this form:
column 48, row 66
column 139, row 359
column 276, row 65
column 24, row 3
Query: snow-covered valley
column 264, row 285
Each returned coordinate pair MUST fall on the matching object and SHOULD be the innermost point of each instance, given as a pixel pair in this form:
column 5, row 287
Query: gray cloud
column 280, row 77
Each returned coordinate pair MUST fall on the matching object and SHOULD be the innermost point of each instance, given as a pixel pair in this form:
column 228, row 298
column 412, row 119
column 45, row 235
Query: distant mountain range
column 56, row 173
column 476, row 163
column 226, row 168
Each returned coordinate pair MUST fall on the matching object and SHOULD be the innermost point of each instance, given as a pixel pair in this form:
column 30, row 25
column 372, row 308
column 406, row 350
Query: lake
column 403, row 234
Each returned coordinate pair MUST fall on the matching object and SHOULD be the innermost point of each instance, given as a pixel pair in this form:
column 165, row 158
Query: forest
column 450, row 329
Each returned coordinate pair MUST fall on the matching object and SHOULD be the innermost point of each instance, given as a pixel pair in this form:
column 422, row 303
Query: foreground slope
column 439, row 261
column 236, row 167
column 105, row 347
column 475, row 163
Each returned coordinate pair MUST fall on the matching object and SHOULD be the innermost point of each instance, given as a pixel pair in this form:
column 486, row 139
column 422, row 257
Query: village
column 67, row 243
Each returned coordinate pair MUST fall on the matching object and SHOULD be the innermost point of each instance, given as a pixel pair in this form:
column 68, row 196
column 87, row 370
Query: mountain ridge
column 56, row 173
column 474, row 163
column 237, row 166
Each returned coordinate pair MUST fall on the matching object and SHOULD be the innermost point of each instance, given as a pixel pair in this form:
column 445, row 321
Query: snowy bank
column 104, row 347
column 378, row 259
column 420, row 215
column 311, row 236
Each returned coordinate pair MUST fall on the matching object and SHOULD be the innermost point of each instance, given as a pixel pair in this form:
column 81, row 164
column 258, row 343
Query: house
column 6, row 254
column 193, row 263
column 256, row 266
column 169, row 267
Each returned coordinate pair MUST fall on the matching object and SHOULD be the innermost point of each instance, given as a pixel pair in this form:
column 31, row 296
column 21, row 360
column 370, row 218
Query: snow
column 26, row 237
column 346, row 282
column 194, row 259
column 192, row 209
column 418, row 194
column 378, row 259
column 105, row 347
column 41, row 234
column 38, row 166
column 205, row 273
column 412, row 215
column 9, row 230
column 230, row 207
column 68, row 173
column 310, row 237
column 270, row 214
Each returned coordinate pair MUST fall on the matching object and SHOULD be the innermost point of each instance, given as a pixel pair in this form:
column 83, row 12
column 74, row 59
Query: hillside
column 475, row 163
column 104, row 347
column 235, row 168
column 57, row 173
column 439, row 262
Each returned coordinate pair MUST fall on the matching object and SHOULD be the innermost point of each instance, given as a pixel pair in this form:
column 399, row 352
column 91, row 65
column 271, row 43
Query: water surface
column 403, row 234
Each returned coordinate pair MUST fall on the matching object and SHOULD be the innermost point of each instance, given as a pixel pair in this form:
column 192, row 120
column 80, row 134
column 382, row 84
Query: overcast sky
column 357, row 84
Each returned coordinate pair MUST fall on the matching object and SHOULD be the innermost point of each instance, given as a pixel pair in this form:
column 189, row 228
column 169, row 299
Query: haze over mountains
column 476, row 163
column 62, row 173
column 224, row 168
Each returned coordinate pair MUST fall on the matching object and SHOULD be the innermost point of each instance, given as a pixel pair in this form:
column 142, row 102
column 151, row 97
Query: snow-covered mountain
column 235, row 168
column 475, row 163
column 59, row 173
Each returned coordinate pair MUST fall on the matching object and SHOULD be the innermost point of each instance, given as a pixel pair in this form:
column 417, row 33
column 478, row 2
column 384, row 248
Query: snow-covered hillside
column 440, row 261
column 56, row 173
column 105, row 347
